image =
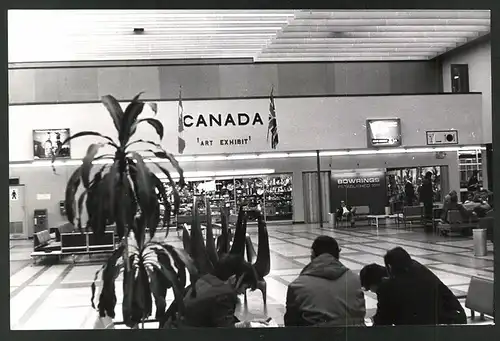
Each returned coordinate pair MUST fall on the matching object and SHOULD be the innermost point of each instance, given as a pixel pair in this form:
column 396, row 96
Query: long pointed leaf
column 238, row 247
column 114, row 109
column 82, row 134
column 198, row 250
column 211, row 249
column 71, row 189
column 186, row 240
column 263, row 263
column 92, row 151
column 162, row 194
column 175, row 192
column 156, row 124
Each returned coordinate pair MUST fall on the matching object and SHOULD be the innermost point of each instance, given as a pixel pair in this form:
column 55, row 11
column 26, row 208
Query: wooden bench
column 44, row 245
column 480, row 297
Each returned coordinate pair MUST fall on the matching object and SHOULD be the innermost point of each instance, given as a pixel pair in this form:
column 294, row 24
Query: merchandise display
column 272, row 194
column 397, row 179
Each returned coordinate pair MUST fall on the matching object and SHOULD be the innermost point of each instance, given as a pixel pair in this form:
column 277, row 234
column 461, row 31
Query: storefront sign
column 222, row 120
column 359, row 188
column 241, row 119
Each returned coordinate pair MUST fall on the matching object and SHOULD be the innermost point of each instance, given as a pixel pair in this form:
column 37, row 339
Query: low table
column 374, row 219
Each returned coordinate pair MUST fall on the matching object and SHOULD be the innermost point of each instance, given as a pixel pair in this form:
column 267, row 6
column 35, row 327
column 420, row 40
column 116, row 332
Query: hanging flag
column 181, row 143
column 180, row 113
column 272, row 128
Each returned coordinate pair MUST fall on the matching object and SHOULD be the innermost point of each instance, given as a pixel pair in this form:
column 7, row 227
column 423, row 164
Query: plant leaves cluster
column 124, row 194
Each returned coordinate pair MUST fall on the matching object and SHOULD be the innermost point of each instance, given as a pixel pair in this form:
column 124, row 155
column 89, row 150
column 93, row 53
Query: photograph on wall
column 47, row 142
column 288, row 217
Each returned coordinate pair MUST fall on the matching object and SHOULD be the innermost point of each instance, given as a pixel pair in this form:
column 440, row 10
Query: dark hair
column 428, row 175
column 372, row 275
column 453, row 196
column 326, row 244
column 398, row 260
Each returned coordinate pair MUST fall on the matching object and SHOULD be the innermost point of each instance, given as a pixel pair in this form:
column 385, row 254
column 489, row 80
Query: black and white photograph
column 250, row 169
column 49, row 142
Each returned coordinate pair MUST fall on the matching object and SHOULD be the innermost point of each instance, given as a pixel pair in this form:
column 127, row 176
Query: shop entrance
column 311, row 200
column 17, row 212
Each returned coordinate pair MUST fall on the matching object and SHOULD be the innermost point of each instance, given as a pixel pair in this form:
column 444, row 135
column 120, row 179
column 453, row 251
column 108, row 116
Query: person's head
column 475, row 172
column 453, row 196
column 325, row 244
column 371, row 276
column 397, row 261
column 342, row 203
column 428, row 175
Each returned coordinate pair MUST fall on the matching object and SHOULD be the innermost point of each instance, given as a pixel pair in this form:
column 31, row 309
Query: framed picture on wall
column 383, row 132
column 47, row 142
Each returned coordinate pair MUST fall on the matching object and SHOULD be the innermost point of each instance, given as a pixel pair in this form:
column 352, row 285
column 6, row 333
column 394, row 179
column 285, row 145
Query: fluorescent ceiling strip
column 354, row 49
column 261, row 156
column 374, row 40
column 280, row 47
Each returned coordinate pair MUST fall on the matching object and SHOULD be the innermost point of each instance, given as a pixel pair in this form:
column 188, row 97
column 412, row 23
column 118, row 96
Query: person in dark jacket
column 427, row 198
column 326, row 293
column 473, row 184
column 372, row 276
column 409, row 193
column 414, row 295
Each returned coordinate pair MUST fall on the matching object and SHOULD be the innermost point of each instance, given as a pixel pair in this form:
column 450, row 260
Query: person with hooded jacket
column 326, row 293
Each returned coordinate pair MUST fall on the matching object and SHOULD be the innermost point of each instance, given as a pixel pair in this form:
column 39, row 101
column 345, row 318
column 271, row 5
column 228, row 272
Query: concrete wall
column 87, row 84
column 478, row 57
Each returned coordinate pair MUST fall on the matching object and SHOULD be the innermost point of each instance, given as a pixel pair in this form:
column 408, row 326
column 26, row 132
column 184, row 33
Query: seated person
column 215, row 300
column 326, row 293
column 412, row 295
column 345, row 211
column 451, row 203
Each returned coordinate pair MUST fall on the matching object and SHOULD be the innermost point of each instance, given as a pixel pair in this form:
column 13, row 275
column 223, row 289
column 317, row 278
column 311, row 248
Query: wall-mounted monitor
column 383, row 132
column 46, row 142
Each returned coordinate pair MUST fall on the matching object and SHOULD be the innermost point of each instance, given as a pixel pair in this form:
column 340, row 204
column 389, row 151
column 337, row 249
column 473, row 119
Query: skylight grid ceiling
column 265, row 36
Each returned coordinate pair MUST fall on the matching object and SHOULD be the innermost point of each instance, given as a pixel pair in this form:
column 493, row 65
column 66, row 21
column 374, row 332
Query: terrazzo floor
column 52, row 295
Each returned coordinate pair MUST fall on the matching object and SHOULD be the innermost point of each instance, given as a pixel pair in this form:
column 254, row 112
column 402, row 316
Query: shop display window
column 399, row 178
column 270, row 193
column 468, row 162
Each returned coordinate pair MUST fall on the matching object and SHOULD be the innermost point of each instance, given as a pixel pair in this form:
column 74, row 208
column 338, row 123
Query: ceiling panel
column 264, row 36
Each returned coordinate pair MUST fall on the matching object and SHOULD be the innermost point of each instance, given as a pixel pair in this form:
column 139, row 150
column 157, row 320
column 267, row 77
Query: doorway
column 311, row 199
column 17, row 212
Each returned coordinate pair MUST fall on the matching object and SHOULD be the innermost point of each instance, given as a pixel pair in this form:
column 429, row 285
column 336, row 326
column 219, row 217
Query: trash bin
column 331, row 220
column 387, row 210
column 479, row 236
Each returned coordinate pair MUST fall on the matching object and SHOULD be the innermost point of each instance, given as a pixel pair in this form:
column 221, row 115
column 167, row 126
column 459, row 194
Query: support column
column 320, row 190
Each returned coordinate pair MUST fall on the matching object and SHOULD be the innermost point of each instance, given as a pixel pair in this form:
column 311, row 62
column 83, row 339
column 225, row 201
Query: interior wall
column 304, row 124
column 41, row 180
column 478, row 57
column 87, row 84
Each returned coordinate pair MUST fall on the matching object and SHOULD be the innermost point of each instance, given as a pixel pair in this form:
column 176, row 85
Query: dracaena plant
column 126, row 193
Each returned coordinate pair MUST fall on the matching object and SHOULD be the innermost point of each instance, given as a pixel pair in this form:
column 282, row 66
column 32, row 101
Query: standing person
column 413, row 295
column 473, row 184
column 409, row 192
column 326, row 293
column 427, row 198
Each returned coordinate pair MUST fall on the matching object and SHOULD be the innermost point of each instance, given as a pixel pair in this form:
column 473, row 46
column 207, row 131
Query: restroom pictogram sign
column 14, row 194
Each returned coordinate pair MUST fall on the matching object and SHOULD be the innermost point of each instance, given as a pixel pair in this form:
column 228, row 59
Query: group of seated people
column 327, row 293
column 476, row 206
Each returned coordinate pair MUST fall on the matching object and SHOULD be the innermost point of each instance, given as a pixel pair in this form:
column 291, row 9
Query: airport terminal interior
column 371, row 127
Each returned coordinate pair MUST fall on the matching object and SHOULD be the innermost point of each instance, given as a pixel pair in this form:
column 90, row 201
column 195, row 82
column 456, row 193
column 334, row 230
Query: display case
column 468, row 162
column 270, row 193
column 278, row 197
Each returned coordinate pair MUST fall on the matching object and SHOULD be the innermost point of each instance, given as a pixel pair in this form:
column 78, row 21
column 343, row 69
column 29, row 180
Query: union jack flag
column 181, row 142
column 272, row 128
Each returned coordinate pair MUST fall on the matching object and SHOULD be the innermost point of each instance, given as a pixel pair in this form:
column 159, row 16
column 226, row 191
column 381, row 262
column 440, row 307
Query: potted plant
column 125, row 192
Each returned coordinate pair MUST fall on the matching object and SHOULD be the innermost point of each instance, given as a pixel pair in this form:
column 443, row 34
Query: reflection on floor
column 57, row 296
